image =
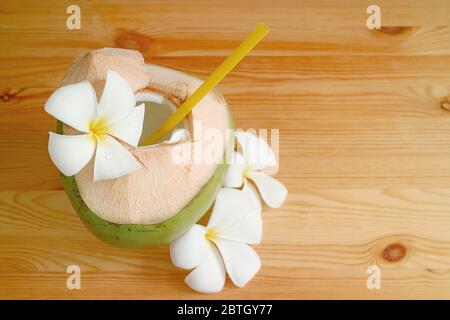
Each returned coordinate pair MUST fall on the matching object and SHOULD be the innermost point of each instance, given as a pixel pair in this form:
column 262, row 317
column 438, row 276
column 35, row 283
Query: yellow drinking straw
column 244, row 48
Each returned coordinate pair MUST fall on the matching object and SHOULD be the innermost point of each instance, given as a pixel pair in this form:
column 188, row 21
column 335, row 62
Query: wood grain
column 318, row 245
column 364, row 146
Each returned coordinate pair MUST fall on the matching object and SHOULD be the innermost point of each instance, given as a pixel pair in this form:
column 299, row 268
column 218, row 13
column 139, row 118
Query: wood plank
column 276, row 73
column 318, row 245
column 196, row 41
column 227, row 16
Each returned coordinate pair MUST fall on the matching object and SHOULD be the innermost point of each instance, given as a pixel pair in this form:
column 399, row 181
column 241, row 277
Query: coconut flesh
column 158, row 202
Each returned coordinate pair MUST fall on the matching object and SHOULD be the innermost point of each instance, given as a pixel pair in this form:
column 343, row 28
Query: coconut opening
column 157, row 110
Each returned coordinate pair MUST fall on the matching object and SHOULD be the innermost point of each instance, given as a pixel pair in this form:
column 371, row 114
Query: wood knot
column 394, row 252
column 395, row 30
column 445, row 104
column 11, row 94
column 6, row 97
column 133, row 40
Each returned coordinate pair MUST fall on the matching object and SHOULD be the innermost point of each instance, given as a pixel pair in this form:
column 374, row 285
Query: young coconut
column 162, row 199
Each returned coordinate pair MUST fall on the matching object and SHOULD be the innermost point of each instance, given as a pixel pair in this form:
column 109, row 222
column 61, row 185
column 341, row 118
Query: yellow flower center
column 97, row 128
column 211, row 234
column 247, row 169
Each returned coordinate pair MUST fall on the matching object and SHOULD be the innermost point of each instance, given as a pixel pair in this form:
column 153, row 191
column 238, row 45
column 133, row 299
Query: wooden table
column 364, row 149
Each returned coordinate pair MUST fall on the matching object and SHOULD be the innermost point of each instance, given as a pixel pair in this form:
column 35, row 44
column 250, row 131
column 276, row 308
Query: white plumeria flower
column 115, row 116
column 256, row 156
column 223, row 245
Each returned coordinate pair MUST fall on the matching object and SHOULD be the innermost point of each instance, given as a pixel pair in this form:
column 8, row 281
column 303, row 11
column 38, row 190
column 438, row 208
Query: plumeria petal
column 256, row 151
column 272, row 191
column 209, row 276
column 112, row 160
column 189, row 250
column 234, row 176
column 241, row 261
column 255, row 200
column 117, row 99
column 70, row 153
column 74, row 104
column 230, row 206
column 250, row 228
column 129, row 129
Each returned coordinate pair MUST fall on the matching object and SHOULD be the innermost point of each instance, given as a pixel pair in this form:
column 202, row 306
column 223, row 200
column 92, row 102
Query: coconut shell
column 160, row 201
